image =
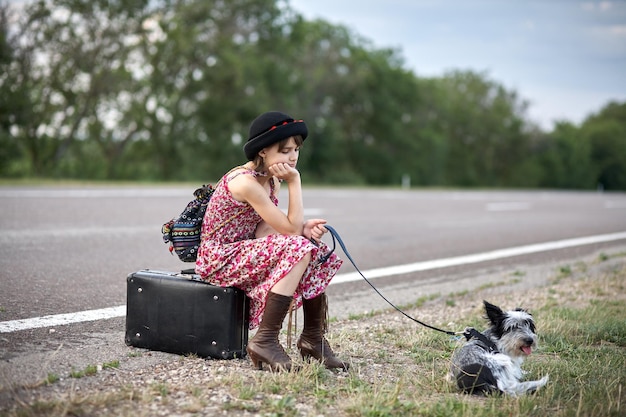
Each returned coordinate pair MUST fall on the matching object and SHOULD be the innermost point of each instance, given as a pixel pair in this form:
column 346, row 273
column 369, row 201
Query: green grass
column 111, row 365
column 398, row 368
column 89, row 370
column 51, row 378
column 582, row 350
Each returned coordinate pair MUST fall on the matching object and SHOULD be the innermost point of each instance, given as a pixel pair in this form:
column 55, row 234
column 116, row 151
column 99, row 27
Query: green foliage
column 564, row 158
column 165, row 90
column 606, row 135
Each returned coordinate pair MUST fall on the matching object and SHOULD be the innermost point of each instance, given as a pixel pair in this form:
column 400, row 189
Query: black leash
column 469, row 332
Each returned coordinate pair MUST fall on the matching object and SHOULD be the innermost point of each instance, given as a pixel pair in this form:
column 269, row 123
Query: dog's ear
column 494, row 313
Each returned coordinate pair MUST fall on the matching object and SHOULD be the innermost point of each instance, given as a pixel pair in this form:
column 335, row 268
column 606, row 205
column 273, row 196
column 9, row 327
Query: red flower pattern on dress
column 230, row 256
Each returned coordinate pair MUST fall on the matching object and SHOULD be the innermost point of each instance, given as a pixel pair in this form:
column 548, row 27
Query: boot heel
column 321, row 352
column 306, row 354
column 257, row 363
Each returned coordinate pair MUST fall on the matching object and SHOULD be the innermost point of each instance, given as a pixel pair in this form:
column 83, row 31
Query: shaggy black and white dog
column 491, row 362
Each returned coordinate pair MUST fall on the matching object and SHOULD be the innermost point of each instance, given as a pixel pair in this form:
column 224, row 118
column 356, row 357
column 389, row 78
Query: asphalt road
column 70, row 249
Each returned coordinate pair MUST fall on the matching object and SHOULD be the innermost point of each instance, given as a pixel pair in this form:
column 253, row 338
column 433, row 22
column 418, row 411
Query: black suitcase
column 178, row 313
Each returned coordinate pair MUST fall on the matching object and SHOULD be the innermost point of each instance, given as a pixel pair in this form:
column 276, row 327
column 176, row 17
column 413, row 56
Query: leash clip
column 471, row 332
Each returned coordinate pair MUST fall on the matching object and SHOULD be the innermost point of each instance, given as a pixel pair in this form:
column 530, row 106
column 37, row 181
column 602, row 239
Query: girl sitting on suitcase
column 249, row 243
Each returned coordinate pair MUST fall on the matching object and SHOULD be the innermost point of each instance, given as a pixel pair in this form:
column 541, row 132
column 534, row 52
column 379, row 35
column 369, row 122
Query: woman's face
column 287, row 154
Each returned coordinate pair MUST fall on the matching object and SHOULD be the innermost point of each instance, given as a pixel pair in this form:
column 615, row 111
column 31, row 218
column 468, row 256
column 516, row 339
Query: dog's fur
column 476, row 370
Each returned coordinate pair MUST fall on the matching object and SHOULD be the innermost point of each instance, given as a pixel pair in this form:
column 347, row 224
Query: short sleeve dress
column 231, row 256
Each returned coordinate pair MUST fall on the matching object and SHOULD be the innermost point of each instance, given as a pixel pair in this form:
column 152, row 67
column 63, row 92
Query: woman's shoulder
column 242, row 182
column 241, row 171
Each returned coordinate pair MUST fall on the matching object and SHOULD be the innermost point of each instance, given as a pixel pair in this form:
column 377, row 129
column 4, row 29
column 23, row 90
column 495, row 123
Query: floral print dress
column 231, row 256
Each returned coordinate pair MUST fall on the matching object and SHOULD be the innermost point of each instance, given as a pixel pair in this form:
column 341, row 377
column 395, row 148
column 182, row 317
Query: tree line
column 166, row 89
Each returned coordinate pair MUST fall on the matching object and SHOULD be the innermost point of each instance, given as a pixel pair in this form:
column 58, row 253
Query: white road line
column 61, row 319
column 99, row 193
column 478, row 257
column 308, row 212
column 507, row 206
column 615, row 204
column 11, row 236
column 120, row 311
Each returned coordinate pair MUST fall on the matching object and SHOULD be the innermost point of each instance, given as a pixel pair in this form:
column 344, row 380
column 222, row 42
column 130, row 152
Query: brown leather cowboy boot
column 312, row 342
column 264, row 347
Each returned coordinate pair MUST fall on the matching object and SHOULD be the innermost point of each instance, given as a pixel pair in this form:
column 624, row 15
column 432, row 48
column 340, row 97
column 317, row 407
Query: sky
column 567, row 58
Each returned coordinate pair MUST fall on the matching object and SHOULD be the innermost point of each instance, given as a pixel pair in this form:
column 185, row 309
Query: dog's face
column 513, row 330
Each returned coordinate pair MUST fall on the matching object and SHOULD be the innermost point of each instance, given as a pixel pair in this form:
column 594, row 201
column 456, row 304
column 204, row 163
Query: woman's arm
column 246, row 188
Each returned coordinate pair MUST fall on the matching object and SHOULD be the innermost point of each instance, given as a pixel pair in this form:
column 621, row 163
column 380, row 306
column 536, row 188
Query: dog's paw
column 535, row 385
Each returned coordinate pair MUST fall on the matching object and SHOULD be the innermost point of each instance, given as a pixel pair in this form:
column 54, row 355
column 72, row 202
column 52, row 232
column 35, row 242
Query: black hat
column 269, row 128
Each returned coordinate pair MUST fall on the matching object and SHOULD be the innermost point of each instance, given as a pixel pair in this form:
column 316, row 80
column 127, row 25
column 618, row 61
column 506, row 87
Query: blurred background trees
column 166, row 89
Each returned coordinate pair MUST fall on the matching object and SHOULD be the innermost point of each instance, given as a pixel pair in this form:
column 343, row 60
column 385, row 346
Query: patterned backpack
column 183, row 232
